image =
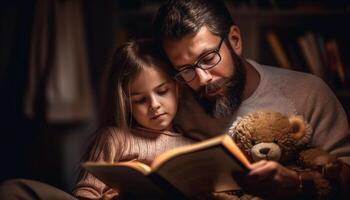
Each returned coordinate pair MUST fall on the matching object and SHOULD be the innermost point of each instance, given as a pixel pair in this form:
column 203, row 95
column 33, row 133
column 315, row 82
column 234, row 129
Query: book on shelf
column 182, row 172
column 322, row 52
column 313, row 47
column 295, row 55
column 309, row 49
column 292, row 50
column 334, row 59
column 277, row 50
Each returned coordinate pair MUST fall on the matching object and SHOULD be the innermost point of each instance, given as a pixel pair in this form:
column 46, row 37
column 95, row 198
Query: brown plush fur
column 270, row 127
column 274, row 136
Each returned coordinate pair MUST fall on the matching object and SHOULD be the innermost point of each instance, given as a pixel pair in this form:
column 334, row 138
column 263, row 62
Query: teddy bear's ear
column 298, row 127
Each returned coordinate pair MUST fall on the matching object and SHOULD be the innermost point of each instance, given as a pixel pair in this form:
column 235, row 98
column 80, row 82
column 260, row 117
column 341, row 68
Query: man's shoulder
column 277, row 75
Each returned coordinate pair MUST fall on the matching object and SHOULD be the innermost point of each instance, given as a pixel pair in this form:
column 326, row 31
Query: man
column 204, row 46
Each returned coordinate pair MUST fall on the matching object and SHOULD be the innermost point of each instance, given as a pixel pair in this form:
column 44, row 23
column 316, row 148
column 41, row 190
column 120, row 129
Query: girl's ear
column 235, row 39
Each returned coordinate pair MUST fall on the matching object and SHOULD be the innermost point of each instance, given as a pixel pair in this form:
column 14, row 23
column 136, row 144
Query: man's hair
column 177, row 18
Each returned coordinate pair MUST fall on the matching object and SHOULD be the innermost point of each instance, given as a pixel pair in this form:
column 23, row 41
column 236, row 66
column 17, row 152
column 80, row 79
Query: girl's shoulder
column 109, row 144
column 112, row 131
column 116, row 134
column 109, row 138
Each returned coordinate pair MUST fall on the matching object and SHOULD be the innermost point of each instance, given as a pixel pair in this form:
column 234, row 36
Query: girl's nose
column 155, row 105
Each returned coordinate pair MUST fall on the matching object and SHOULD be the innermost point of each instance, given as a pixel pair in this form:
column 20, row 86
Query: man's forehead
column 186, row 50
column 182, row 50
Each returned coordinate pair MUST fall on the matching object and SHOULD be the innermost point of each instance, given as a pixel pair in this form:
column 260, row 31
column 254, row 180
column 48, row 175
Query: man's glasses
column 205, row 62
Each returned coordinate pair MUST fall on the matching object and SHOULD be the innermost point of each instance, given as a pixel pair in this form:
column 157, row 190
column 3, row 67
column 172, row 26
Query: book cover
column 183, row 172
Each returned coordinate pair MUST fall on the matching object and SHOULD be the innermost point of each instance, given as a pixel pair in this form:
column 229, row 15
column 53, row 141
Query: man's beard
column 229, row 99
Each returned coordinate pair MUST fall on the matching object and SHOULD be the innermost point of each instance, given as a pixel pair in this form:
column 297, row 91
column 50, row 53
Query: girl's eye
column 163, row 91
column 140, row 101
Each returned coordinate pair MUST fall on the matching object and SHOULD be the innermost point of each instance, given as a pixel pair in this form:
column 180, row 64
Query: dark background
column 50, row 152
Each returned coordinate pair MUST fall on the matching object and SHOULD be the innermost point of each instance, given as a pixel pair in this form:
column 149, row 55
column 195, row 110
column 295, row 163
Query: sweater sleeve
column 328, row 120
column 105, row 148
column 90, row 187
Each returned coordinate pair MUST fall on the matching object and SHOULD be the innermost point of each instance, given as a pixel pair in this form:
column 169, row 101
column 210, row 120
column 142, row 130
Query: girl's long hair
column 115, row 116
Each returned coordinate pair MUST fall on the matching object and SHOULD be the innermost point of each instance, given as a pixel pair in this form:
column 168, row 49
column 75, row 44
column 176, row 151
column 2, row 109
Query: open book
column 182, row 173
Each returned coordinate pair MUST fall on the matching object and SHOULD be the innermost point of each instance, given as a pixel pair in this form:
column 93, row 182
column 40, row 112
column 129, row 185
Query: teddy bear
column 274, row 136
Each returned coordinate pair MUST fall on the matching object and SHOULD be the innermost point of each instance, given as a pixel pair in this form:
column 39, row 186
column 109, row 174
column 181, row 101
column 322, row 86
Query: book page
column 126, row 177
column 224, row 141
column 202, row 171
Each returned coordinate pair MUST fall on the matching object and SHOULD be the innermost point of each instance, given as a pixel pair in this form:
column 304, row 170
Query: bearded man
column 204, row 45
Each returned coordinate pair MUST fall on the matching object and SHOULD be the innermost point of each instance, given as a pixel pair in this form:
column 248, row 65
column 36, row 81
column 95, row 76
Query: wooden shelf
column 286, row 12
column 151, row 9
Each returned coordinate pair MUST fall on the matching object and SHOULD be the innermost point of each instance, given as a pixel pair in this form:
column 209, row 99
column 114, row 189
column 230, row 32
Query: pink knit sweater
column 143, row 145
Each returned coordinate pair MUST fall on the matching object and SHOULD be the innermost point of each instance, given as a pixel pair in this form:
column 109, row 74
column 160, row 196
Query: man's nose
column 204, row 76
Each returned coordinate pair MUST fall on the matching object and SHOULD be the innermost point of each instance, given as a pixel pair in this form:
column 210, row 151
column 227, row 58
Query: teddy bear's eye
column 253, row 142
column 275, row 141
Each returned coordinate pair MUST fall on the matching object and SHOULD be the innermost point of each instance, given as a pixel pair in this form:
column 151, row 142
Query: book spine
column 308, row 55
column 277, row 49
column 334, row 59
column 312, row 45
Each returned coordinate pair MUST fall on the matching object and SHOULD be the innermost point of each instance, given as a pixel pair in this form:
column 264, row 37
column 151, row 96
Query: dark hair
column 177, row 18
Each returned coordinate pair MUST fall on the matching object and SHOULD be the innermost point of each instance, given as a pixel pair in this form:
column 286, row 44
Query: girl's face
column 153, row 99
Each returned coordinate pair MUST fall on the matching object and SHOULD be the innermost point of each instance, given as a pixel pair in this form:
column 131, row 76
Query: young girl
column 139, row 104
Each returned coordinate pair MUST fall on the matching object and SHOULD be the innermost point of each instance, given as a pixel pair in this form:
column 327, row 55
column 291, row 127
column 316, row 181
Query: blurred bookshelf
column 307, row 36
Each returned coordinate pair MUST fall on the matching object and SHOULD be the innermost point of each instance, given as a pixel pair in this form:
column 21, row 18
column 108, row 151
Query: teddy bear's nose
column 264, row 150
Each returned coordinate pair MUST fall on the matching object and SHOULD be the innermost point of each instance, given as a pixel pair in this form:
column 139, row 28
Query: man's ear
column 235, row 39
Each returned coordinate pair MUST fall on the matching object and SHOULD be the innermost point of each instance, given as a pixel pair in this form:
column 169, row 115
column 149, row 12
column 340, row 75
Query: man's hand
column 270, row 180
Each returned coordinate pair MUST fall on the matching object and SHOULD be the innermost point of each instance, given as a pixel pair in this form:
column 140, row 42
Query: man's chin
column 219, row 104
column 213, row 106
column 224, row 107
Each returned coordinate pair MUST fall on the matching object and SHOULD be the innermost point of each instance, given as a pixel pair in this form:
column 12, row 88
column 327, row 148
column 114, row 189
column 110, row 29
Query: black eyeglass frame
column 192, row 67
